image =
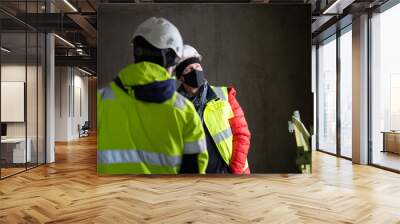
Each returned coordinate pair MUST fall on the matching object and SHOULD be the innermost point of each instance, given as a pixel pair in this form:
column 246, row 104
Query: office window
column 385, row 88
column 327, row 96
column 346, row 93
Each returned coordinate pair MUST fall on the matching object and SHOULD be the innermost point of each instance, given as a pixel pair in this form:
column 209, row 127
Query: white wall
column 14, row 72
column 79, row 112
column 71, row 94
column 17, row 72
column 62, row 81
column 81, row 81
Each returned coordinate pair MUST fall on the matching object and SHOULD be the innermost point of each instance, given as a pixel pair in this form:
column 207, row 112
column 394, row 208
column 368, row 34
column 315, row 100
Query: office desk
column 13, row 150
column 391, row 142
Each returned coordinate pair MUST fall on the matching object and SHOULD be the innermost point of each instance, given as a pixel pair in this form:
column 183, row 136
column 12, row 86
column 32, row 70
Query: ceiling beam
column 86, row 26
column 49, row 22
column 337, row 7
column 81, row 61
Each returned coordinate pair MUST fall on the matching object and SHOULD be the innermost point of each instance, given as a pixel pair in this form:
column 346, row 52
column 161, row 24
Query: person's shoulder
column 231, row 91
column 106, row 92
column 184, row 109
column 220, row 87
column 220, row 91
column 181, row 103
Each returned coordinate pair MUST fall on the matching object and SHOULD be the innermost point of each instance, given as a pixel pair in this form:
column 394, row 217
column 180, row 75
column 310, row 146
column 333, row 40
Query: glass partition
column 41, row 109
column 32, row 95
column 22, row 78
column 14, row 153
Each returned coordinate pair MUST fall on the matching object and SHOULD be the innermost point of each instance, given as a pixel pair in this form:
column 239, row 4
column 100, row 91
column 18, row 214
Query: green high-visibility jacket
column 138, row 137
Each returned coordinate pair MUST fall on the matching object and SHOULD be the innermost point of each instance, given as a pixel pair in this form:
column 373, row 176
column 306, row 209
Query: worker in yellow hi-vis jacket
column 144, row 125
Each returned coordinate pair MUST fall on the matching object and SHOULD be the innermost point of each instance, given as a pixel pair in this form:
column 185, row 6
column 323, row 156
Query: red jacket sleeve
column 241, row 136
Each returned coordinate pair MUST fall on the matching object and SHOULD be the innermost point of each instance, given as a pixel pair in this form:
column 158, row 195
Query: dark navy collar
column 155, row 92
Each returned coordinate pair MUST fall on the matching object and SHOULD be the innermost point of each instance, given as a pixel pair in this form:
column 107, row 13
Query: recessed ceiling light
column 337, row 7
column 5, row 50
column 84, row 71
column 65, row 41
column 70, row 5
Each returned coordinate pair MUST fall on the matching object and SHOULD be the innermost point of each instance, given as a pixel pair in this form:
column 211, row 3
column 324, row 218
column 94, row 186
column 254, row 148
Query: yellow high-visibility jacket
column 139, row 137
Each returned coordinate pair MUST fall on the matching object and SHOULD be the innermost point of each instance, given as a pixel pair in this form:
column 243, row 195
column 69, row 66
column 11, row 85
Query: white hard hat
column 190, row 52
column 189, row 56
column 160, row 33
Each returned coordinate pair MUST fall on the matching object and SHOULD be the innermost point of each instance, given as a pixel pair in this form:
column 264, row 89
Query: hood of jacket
column 150, row 82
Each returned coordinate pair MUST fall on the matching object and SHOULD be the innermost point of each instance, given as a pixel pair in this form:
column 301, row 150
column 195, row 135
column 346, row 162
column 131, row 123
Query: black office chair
column 84, row 130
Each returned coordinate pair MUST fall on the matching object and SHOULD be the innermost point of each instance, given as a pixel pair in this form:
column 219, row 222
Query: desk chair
column 84, row 130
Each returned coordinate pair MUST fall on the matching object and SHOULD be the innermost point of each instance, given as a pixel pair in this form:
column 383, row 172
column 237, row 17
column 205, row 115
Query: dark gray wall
column 264, row 51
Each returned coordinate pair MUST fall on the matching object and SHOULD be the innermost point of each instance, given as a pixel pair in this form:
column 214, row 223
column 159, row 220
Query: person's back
column 144, row 125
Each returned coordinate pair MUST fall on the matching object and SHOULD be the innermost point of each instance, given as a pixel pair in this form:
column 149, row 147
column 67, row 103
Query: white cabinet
column 19, row 155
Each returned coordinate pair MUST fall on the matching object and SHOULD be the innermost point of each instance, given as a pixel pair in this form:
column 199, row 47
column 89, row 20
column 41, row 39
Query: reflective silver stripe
column 137, row 156
column 195, row 147
column 222, row 135
column 106, row 93
column 179, row 101
column 219, row 92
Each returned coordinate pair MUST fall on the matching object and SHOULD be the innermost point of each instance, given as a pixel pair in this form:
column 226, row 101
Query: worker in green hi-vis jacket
column 144, row 125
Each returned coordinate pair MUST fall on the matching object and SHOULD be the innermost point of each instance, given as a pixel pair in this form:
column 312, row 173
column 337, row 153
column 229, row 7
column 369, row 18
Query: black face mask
column 194, row 79
column 144, row 51
column 165, row 57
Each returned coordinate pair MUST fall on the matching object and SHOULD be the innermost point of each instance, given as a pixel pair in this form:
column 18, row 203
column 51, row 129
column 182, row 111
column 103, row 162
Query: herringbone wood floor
column 70, row 191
